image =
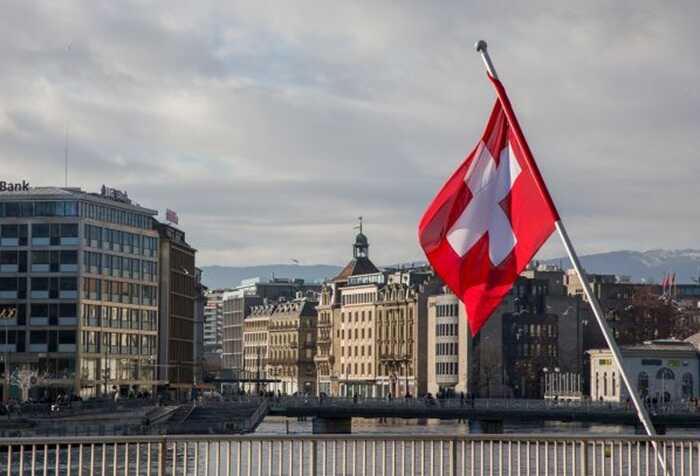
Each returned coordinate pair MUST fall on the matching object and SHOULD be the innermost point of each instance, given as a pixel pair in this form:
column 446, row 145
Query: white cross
column 489, row 185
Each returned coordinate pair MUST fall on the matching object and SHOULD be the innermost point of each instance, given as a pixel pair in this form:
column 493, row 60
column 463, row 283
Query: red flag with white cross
column 490, row 218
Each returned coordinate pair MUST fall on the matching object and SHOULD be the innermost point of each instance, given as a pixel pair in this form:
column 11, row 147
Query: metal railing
column 481, row 403
column 351, row 455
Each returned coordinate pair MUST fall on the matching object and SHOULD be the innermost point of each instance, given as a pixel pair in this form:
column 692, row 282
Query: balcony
column 39, row 321
column 67, row 347
column 38, row 347
column 9, row 268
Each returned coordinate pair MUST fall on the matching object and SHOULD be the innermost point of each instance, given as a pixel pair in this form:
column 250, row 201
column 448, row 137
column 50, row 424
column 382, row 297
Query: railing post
column 584, row 458
column 162, row 456
column 312, row 458
column 453, row 458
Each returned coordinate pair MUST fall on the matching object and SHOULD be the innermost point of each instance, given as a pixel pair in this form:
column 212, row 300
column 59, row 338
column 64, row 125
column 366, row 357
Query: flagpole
column 481, row 47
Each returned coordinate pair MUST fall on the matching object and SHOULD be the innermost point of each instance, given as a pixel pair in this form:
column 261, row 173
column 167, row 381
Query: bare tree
column 26, row 378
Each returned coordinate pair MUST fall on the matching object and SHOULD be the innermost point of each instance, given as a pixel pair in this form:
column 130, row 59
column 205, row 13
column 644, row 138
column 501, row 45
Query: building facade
column 662, row 370
column 256, row 346
column 292, row 337
column 214, row 321
column 237, row 305
column 449, row 345
column 79, row 278
column 372, row 331
column 530, row 334
column 179, row 299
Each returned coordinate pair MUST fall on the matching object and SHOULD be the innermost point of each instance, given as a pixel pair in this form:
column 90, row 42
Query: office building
column 79, row 278
column 177, row 324
column 214, row 321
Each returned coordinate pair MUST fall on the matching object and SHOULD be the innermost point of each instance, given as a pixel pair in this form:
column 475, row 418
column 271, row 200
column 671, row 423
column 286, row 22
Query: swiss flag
column 490, row 218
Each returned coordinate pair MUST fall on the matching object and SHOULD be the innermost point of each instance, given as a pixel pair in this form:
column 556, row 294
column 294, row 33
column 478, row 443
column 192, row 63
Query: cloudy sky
column 270, row 126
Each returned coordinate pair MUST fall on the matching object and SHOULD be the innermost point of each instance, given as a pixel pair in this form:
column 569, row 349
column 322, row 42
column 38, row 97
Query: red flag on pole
column 490, row 218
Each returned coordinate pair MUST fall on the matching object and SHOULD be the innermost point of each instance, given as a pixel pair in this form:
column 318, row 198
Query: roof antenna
column 65, row 154
column 65, row 143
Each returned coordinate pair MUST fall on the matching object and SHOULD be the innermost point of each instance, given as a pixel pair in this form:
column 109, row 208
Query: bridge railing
column 351, row 454
column 487, row 403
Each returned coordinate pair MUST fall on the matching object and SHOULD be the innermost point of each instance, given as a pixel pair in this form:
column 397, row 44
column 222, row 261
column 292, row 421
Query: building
column 665, row 370
column 237, row 305
column 79, row 290
column 203, row 364
column 256, row 345
column 327, row 345
column 531, row 333
column 179, row 298
column 214, row 321
column 449, row 345
column 372, row 331
column 292, row 337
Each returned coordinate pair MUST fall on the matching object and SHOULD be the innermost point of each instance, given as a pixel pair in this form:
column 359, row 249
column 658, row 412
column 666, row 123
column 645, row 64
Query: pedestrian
column 461, row 399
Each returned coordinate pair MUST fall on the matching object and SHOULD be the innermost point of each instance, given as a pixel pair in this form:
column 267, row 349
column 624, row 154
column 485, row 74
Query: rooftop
column 110, row 197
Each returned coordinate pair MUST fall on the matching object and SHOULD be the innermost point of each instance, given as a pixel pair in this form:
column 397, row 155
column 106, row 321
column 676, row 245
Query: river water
column 397, row 426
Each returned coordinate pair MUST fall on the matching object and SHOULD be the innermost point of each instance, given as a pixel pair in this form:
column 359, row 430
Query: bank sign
column 22, row 186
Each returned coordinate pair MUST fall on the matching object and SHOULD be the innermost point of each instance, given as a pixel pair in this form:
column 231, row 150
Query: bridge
column 333, row 415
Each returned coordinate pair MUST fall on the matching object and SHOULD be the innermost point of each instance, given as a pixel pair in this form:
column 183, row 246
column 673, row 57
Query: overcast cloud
column 270, row 126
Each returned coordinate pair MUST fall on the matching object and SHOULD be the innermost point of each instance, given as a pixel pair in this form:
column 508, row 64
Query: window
column 687, row 385
column 665, row 373
column 605, row 384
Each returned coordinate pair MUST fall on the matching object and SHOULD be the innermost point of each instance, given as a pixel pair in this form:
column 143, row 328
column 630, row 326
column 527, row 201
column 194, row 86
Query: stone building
column 256, row 344
column 292, row 345
column 237, row 305
column 449, row 345
column 666, row 370
column 327, row 346
column 372, row 329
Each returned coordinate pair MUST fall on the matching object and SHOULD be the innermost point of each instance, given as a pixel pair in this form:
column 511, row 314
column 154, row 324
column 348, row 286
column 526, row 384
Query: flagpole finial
column 482, row 48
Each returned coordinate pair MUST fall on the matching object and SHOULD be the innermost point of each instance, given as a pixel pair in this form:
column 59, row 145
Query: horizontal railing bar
column 120, row 439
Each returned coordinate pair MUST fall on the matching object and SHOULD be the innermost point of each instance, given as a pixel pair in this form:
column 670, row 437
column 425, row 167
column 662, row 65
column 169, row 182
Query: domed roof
column 361, row 239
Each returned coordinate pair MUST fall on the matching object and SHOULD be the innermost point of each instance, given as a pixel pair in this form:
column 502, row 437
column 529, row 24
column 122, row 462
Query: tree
column 645, row 316
column 26, row 378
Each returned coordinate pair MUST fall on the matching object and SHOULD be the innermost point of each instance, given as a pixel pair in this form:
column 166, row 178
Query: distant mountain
column 642, row 265
column 638, row 265
column 216, row 277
